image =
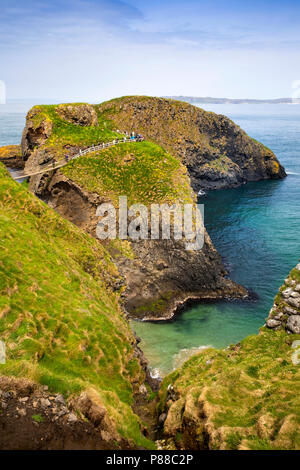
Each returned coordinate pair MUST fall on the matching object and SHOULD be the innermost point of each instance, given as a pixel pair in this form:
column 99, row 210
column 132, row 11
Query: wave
column 185, row 354
column 155, row 373
column 292, row 173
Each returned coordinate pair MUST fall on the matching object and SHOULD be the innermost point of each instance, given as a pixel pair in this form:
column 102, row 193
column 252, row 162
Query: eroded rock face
column 217, row 152
column 285, row 312
column 33, row 418
column 11, row 156
column 36, row 132
column 81, row 115
column 162, row 274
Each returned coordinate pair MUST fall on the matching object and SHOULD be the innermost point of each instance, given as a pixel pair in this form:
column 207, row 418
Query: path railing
column 93, row 148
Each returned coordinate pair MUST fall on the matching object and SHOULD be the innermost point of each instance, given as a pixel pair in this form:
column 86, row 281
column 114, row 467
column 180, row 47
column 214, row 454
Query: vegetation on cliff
column 198, row 138
column 143, row 171
column 244, row 397
column 60, row 320
column 285, row 312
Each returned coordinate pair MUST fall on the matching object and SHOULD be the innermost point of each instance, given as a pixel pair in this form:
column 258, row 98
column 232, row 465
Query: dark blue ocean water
column 254, row 227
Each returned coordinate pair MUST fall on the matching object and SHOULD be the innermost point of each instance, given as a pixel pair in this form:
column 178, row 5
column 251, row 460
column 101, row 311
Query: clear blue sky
column 97, row 49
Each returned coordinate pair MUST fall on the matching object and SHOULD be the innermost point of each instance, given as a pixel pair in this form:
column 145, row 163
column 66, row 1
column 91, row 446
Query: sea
column 255, row 228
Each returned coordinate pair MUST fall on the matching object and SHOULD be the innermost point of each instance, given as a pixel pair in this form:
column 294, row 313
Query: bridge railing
column 93, row 148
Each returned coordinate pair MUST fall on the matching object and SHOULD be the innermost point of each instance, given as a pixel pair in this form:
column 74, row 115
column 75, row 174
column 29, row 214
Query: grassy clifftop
column 244, row 397
column 143, row 171
column 201, row 140
column 61, row 322
column 198, row 138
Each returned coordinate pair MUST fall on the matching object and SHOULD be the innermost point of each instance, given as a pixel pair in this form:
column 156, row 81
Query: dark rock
column 162, row 418
column 216, row 152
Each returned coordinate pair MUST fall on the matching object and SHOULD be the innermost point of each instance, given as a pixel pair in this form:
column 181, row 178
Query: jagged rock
column 278, row 316
column 60, row 399
column 289, row 310
column 298, row 266
column 35, row 132
column 24, row 399
column 297, row 288
column 72, row 418
column 272, row 323
column 143, row 390
column 216, row 152
column 293, row 324
column 294, row 302
column 287, row 292
column 151, row 293
column 265, row 426
column 79, row 114
column 162, row 418
column 45, row 403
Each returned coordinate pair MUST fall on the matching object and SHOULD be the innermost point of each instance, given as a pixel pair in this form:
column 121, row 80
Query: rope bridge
column 94, row 148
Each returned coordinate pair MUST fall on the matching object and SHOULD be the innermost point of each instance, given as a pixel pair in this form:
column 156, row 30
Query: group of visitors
column 129, row 137
column 132, row 137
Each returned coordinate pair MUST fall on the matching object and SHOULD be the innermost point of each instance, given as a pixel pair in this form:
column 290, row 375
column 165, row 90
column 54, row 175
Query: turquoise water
column 256, row 230
column 254, row 227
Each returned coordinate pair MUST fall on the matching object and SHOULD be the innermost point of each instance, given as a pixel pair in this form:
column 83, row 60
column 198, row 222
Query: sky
column 93, row 50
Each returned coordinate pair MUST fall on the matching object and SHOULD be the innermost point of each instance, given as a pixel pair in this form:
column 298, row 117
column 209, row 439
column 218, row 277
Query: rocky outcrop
column 161, row 276
column 216, row 152
column 285, row 312
column 37, row 130
column 11, row 156
column 237, row 398
column 79, row 114
column 33, row 418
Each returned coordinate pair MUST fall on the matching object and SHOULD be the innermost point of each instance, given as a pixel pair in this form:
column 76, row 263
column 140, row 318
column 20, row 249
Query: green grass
column 67, row 133
column 38, row 418
column 61, row 323
column 241, row 385
column 142, row 171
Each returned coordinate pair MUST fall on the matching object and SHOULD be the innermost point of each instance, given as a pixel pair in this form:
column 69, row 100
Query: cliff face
column 11, row 156
column 159, row 274
column 216, row 152
column 243, row 397
column 63, row 328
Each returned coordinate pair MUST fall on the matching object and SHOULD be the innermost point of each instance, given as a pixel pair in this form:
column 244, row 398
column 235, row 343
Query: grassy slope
column 250, row 393
column 143, row 171
column 172, row 122
column 61, row 324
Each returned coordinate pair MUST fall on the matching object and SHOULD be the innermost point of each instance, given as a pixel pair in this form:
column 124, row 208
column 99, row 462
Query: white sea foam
column 185, row 353
column 156, row 373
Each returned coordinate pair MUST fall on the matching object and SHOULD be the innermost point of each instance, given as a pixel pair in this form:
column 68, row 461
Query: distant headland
column 208, row 99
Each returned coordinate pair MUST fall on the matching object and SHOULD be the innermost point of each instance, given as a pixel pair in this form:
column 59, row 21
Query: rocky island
column 73, row 364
